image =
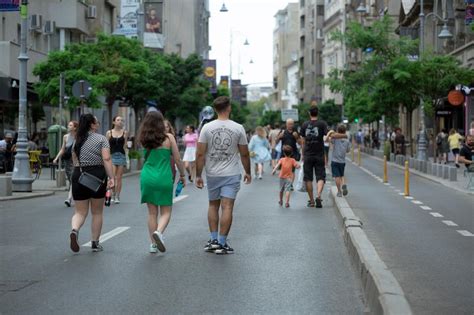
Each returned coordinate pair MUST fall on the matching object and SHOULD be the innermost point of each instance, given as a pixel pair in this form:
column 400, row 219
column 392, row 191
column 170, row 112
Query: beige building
column 285, row 53
column 52, row 24
column 186, row 27
column 310, row 61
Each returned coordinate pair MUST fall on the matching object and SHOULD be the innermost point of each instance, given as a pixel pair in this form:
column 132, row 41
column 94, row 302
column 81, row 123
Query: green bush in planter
column 134, row 155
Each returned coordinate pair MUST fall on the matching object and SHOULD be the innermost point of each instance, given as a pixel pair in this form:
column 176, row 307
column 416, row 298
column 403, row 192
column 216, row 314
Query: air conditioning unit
column 36, row 22
column 49, row 27
column 91, row 12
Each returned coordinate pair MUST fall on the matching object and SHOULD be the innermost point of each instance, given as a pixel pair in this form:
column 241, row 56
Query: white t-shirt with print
column 223, row 138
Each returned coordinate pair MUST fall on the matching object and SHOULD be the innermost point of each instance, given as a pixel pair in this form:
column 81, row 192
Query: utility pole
column 422, row 141
column 21, row 177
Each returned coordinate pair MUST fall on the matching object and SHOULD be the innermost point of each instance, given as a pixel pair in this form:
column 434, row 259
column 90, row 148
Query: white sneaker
column 158, row 237
column 117, row 200
column 153, row 249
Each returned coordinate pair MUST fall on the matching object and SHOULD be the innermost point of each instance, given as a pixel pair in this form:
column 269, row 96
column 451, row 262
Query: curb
column 383, row 294
column 28, row 195
column 420, row 174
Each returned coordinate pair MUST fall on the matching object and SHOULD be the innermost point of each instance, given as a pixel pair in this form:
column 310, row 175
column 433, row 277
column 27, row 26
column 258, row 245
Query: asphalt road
column 286, row 261
column 425, row 240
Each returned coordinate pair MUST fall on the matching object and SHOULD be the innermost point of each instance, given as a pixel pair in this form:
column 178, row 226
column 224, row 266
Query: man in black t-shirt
column 465, row 155
column 312, row 133
column 289, row 136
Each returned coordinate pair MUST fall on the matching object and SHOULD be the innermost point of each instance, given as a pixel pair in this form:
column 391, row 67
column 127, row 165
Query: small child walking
column 288, row 166
column 338, row 160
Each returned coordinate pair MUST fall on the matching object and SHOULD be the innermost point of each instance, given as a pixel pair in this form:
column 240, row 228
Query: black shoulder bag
column 88, row 180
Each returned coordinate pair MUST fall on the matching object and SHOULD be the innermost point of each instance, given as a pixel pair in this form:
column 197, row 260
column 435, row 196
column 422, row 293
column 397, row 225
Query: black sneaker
column 224, row 250
column 319, row 203
column 74, row 236
column 211, row 246
column 344, row 190
column 96, row 247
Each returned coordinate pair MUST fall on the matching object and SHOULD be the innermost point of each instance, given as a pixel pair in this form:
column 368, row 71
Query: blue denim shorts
column 337, row 169
column 223, row 187
column 118, row 158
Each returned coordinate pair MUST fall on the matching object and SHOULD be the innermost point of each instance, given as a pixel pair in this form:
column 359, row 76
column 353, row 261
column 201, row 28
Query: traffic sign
column 81, row 89
column 289, row 114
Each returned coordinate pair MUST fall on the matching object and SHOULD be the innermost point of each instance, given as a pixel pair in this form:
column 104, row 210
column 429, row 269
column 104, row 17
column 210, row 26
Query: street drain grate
column 15, row 285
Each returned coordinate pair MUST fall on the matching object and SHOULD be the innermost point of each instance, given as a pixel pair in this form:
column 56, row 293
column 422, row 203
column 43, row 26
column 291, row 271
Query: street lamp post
column 444, row 34
column 21, row 177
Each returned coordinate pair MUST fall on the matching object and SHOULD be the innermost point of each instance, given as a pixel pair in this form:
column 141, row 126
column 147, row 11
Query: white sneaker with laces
column 158, row 237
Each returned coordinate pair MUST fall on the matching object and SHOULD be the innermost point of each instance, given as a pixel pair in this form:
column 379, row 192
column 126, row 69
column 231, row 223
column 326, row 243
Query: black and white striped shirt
column 91, row 150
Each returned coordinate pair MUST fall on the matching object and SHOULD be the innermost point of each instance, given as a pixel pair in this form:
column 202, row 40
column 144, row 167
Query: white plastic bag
column 300, row 185
column 278, row 147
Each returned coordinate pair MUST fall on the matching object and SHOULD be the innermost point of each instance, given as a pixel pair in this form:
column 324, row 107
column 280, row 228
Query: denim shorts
column 223, row 187
column 118, row 158
column 337, row 169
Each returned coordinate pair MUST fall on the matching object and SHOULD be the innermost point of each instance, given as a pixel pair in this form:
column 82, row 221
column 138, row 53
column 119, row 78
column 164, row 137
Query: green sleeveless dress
column 156, row 179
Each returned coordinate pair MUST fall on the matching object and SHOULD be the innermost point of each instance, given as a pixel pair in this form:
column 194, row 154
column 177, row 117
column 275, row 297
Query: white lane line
column 425, row 208
column 109, row 235
column 386, row 184
column 436, row 214
column 401, row 194
column 179, row 198
column 465, row 233
column 417, row 202
column 409, row 197
column 449, row 223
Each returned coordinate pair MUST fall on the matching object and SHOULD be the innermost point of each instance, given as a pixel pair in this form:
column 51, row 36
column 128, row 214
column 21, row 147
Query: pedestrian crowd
column 218, row 156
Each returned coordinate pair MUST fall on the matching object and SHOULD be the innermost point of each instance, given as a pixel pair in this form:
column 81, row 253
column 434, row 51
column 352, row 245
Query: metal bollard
column 407, row 179
column 5, row 185
column 453, row 174
column 440, row 170
column 358, row 158
column 385, row 169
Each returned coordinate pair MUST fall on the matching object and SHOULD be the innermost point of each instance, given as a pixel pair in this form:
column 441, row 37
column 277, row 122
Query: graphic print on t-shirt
column 312, row 133
column 221, row 142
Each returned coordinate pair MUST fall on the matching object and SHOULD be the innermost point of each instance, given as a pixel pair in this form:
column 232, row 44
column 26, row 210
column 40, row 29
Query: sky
column 246, row 19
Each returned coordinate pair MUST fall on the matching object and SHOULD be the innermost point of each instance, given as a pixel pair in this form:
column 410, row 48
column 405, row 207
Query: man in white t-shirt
column 221, row 148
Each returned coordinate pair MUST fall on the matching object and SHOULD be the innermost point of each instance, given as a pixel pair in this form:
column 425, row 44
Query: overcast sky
column 248, row 19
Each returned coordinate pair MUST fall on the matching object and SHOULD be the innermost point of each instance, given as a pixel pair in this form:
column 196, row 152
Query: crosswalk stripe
column 109, row 235
column 465, row 233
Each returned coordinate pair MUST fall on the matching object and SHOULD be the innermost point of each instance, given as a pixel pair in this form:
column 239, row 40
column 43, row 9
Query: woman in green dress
column 156, row 180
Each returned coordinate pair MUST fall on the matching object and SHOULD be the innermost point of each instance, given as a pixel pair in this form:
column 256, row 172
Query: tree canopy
column 122, row 69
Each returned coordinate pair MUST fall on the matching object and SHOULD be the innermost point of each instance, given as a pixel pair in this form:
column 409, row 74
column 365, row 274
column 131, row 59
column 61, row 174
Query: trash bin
column 54, row 143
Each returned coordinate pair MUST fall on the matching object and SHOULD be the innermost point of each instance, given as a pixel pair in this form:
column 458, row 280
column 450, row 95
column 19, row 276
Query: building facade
column 311, row 22
column 285, row 52
column 52, row 25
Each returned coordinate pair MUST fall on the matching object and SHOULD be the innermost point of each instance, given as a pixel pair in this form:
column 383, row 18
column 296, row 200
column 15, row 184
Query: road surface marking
column 109, row 235
column 409, row 197
column 465, row 233
column 386, row 184
column 179, row 198
column 436, row 214
column 449, row 223
column 401, row 194
column 425, row 208
column 417, row 202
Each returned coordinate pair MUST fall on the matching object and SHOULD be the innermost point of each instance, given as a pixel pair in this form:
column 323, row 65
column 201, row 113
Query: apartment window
column 302, row 42
column 312, row 56
column 319, row 34
column 320, row 10
column 302, row 22
column 302, row 4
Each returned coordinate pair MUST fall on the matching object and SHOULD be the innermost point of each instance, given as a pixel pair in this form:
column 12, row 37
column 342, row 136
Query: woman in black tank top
column 117, row 137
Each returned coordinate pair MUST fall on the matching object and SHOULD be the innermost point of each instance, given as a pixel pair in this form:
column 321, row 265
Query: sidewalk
column 46, row 186
column 460, row 184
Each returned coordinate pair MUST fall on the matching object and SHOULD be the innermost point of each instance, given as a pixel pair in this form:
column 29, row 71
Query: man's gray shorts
column 223, row 187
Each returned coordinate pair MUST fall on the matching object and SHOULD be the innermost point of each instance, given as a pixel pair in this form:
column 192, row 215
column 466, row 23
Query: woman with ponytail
column 91, row 154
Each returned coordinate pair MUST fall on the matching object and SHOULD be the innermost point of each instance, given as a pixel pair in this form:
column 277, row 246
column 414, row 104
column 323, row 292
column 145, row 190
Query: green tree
column 270, row 117
column 330, row 112
column 256, row 110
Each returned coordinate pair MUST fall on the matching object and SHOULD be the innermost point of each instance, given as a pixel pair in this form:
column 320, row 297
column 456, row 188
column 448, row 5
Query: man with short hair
column 221, row 147
column 466, row 153
column 312, row 133
column 6, row 147
column 289, row 136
